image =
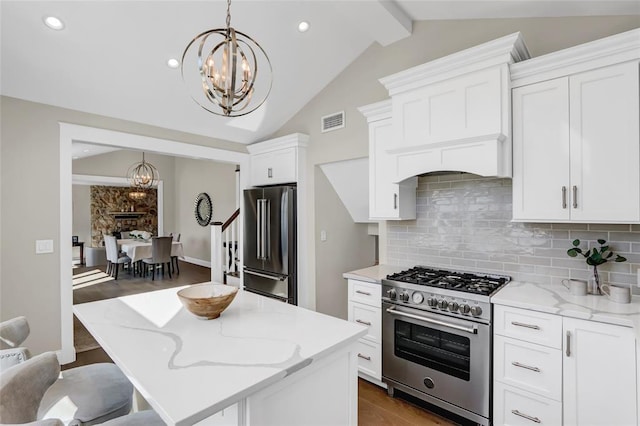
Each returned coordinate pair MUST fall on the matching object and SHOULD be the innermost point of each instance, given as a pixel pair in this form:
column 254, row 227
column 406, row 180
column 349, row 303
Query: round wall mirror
column 203, row 209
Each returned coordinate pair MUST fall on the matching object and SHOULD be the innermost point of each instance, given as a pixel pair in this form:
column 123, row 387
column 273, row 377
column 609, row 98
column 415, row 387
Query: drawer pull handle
column 363, row 292
column 528, row 367
column 533, row 419
column 363, row 322
column 368, row 358
column 521, row 324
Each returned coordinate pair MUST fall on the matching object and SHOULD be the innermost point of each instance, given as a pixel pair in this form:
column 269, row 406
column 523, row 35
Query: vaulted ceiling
column 110, row 59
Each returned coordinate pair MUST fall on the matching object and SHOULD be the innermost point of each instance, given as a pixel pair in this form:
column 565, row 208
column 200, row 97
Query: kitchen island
column 261, row 362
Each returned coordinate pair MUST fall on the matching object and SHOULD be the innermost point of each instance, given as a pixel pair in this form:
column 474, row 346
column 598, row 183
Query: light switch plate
column 323, row 235
column 44, row 246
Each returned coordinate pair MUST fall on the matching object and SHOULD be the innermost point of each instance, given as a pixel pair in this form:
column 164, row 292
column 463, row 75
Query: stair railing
column 224, row 248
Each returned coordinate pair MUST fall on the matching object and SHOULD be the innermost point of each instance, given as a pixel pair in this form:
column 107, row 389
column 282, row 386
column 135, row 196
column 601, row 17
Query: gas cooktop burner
column 460, row 281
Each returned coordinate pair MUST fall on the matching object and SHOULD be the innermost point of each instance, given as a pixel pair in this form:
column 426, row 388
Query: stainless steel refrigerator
column 270, row 252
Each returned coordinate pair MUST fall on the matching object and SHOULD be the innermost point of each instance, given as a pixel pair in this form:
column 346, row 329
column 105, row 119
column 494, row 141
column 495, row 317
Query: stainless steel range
column 436, row 338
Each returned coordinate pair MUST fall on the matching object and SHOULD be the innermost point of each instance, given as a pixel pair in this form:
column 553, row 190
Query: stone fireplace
column 112, row 210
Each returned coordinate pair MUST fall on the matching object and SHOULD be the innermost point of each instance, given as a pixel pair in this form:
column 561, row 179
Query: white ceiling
column 110, row 59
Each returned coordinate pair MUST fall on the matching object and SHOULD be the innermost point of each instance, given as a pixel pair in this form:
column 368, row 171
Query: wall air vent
column 331, row 122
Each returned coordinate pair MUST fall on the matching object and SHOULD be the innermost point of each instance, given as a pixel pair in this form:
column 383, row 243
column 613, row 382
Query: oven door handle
column 472, row 330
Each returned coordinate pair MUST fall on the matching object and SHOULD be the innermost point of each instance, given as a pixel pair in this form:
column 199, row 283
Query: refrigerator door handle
column 261, row 235
column 271, row 277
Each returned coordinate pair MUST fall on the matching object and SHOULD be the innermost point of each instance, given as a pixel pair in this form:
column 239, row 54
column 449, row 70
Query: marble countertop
column 373, row 274
column 555, row 299
column 188, row 368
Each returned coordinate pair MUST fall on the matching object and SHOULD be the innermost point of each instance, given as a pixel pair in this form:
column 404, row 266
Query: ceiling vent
column 331, row 122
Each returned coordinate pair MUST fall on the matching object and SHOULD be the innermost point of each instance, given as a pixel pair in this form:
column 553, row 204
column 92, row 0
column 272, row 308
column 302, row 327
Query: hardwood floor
column 375, row 407
column 91, row 284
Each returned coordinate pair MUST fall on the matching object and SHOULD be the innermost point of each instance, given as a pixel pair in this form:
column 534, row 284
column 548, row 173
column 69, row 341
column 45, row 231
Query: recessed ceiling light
column 85, row 150
column 303, row 26
column 53, row 23
column 173, row 63
column 74, row 158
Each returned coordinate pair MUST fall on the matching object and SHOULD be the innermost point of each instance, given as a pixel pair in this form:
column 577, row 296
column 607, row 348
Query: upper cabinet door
column 275, row 167
column 387, row 200
column 541, row 151
column 605, row 144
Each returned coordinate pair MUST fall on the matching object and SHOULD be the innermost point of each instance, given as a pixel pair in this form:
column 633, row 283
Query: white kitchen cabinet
column 599, row 372
column 576, row 132
column 387, row 200
column 454, row 113
column 556, row 370
column 277, row 161
column 365, row 308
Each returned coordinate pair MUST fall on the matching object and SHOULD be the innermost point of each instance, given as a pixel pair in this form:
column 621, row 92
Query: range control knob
column 476, row 311
column 432, row 302
column 392, row 294
column 404, row 296
column 453, row 306
column 442, row 304
column 464, row 309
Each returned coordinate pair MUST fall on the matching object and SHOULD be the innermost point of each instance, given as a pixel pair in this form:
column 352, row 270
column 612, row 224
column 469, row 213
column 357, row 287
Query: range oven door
column 446, row 358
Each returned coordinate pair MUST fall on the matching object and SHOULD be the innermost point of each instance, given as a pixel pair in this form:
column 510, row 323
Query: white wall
column 82, row 213
column 191, row 178
column 352, row 241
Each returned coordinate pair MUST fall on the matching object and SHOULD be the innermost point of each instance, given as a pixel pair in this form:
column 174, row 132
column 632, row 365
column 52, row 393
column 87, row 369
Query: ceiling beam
column 383, row 20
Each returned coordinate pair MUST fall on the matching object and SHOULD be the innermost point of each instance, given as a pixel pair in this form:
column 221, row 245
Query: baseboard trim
column 195, row 261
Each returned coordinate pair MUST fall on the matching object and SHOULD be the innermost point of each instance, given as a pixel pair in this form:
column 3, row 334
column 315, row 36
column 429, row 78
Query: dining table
column 141, row 249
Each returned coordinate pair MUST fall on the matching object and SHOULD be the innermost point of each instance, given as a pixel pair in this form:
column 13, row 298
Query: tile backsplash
column 464, row 222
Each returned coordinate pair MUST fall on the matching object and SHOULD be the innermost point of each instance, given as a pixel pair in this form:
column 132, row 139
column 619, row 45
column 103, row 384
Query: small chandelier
column 142, row 176
column 137, row 194
column 227, row 70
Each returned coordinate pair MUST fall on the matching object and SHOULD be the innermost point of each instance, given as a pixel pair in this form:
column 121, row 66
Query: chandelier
column 142, row 176
column 227, row 71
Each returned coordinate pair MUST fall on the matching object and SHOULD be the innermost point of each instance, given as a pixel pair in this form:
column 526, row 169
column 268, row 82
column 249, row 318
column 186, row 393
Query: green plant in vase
column 594, row 257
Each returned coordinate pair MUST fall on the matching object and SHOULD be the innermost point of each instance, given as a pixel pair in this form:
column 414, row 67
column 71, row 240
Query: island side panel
column 323, row 393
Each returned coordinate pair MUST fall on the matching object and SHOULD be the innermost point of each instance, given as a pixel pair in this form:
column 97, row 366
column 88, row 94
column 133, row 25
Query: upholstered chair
column 12, row 333
column 160, row 255
column 114, row 257
column 174, row 259
column 25, row 388
column 86, row 395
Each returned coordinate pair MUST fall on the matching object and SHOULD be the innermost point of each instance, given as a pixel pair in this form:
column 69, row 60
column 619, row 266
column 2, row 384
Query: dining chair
column 114, row 257
column 174, row 259
column 32, row 389
column 160, row 255
column 124, row 235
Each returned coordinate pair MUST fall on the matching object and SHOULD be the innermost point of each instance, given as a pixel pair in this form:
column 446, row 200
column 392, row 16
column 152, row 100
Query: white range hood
column 454, row 113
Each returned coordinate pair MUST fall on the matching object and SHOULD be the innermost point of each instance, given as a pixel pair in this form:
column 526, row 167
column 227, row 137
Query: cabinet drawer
column 512, row 406
column 531, row 367
column 370, row 358
column 530, row 326
column 369, row 316
column 364, row 292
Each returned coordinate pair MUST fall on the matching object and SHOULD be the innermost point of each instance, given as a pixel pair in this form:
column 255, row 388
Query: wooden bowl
column 207, row 300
